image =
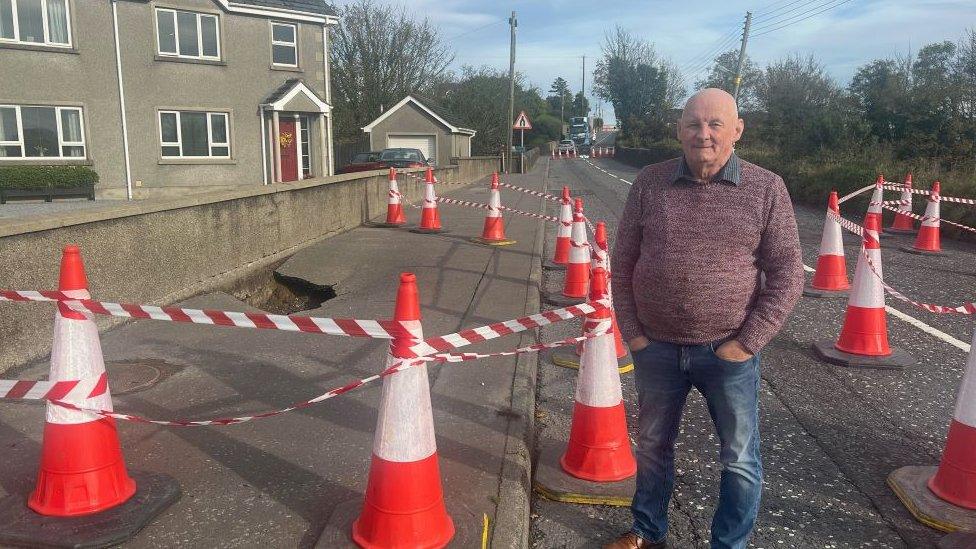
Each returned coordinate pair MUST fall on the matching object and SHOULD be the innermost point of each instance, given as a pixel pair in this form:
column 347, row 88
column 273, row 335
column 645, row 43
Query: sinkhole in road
column 274, row 293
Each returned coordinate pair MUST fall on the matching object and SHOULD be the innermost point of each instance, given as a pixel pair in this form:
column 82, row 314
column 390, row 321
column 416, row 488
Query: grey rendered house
column 420, row 123
column 159, row 96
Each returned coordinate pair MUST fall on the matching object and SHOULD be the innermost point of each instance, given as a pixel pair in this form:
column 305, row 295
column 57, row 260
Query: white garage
column 426, row 143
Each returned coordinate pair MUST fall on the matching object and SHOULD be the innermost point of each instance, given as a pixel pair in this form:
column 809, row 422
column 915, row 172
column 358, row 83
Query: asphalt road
column 830, row 435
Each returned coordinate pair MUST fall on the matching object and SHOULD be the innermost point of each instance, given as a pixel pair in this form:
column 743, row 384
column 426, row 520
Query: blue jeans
column 664, row 374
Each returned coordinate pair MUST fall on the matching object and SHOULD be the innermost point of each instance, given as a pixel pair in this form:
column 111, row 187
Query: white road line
column 606, row 172
column 965, row 347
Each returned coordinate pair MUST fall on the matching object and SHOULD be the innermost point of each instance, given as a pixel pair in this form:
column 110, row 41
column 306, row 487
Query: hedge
column 42, row 177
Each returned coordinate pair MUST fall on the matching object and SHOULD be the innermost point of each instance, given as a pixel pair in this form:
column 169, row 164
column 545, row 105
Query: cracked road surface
column 830, row 435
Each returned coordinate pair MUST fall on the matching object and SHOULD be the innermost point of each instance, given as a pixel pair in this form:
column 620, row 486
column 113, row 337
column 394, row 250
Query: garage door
column 423, row 142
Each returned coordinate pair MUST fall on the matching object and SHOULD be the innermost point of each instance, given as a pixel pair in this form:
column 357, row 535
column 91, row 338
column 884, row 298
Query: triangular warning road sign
column 522, row 122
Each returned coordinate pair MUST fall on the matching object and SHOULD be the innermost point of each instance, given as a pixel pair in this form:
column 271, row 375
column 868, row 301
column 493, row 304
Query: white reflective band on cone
column 598, row 384
column 77, row 354
column 495, row 204
column 430, row 197
column 966, row 401
column 906, row 201
column 931, row 214
column 876, row 199
column 405, row 425
column 579, row 252
column 394, row 192
column 565, row 221
column 832, row 241
column 866, row 291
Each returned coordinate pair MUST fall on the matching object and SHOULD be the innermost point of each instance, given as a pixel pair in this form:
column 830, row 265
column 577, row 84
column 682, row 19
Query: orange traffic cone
column 863, row 339
column 564, row 231
column 599, row 446
column 830, row 278
column 578, row 269
column 394, row 207
column 430, row 217
column 904, row 224
column 404, row 503
column 601, row 260
column 877, row 197
column 944, row 497
column 82, row 470
column 928, row 241
column 493, row 232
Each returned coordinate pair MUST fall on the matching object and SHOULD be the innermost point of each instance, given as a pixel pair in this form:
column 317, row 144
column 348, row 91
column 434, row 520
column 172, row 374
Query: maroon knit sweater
column 687, row 259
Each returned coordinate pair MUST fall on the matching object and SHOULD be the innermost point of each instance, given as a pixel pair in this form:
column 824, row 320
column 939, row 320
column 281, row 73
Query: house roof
column 288, row 90
column 309, row 6
column 431, row 107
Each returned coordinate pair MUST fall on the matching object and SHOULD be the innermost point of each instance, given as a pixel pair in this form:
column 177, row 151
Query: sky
column 554, row 35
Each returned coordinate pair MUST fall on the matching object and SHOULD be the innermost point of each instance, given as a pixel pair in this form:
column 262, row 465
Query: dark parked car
column 364, row 162
column 404, row 158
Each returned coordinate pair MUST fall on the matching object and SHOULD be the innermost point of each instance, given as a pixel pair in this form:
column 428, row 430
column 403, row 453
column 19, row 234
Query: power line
column 800, row 20
column 779, row 19
column 723, row 39
column 482, row 27
column 710, row 57
column 779, row 11
column 771, row 7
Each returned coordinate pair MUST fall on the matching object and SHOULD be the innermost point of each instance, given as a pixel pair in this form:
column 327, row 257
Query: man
column 695, row 236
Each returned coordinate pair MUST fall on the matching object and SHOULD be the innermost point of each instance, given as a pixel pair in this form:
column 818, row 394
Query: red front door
column 288, row 147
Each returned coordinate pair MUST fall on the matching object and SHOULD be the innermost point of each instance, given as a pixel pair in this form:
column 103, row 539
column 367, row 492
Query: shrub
column 42, row 177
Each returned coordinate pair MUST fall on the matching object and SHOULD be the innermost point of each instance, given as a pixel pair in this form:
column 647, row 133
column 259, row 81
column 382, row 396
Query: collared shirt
column 688, row 256
column 730, row 172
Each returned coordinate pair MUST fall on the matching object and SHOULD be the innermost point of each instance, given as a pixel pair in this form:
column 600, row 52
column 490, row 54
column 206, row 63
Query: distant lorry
column 579, row 132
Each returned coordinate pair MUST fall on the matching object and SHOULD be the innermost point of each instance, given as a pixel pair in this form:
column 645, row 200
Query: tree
column 882, row 90
column 643, row 89
column 379, row 55
column 559, row 97
column 581, row 105
column 722, row 75
column 597, row 124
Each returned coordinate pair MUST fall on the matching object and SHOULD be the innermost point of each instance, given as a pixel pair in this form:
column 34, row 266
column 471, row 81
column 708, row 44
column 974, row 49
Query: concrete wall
column 86, row 76
column 411, row 120
column 160, row 251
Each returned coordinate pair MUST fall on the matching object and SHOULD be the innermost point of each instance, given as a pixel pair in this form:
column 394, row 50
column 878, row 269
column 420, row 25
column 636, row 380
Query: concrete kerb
column 515, row 483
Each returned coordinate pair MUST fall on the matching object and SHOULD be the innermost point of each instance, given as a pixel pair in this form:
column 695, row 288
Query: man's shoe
column 631, row 540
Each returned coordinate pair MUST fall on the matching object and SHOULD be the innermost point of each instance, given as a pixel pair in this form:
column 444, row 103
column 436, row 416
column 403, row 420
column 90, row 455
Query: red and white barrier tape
column 847, row 224
column 483, row 206
column 926, row 218
column 547, row 196
column 403, row 364
column 899, row 187
column 53, row 390
column 847, row 197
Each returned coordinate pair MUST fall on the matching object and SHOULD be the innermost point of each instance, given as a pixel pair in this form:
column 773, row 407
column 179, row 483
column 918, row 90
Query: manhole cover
column 131, row 376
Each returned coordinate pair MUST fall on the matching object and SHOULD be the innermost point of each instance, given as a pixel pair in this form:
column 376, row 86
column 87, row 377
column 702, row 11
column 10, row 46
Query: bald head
column 708, row 130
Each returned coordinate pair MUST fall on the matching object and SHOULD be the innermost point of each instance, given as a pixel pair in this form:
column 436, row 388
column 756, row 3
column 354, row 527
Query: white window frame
column 179, row 134
column 47, row 33
column 293, row 44
column 61, row 142
column 176, row 35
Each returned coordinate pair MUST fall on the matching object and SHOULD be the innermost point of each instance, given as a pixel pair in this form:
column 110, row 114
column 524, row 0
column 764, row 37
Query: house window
column 42, row 22
column 187, row 134
column 187, row 34
column 284, row 44
column 306, row 147
column 41, row 132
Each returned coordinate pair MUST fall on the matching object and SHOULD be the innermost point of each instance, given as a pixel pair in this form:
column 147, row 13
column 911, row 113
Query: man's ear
column 677, row 130
column 740, row 126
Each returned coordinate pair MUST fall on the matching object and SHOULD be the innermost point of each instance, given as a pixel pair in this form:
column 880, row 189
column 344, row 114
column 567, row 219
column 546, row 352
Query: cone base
column 910, row 484
column 19, row 525
column 916, row 251
column 338, row 530
column 569, row 359
column 385, row 225
column 897, row 360
column 895, row 230
column 552, row 483
column 421, row 230
column 493, row 242
column 810, row 291
column 553, row 266
column 557, row 298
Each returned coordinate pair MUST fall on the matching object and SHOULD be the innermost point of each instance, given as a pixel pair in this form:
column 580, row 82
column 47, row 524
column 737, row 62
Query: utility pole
column 512, row 24
column 742, row 56
column 583, row 87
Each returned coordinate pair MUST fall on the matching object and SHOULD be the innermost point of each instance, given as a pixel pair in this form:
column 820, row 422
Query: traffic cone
column 830, row 278
column 928, row 240
column 904, row 224
column 578, row 268
column 601, row 260
column 863, row 339
column 82, row 470
column 877, row 197
column 563, row 234
column 599, row 446
column 944, row 497
column 394, row 207
column 430, row 217
column 493, row 232
column 404, row 502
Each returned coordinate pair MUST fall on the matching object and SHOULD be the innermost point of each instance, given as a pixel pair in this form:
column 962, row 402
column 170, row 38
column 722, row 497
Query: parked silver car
column 567, row 146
